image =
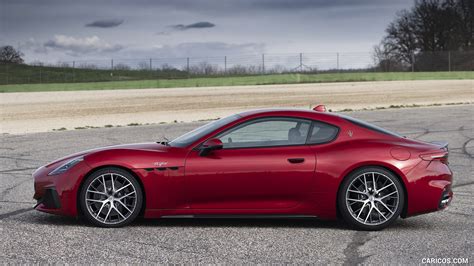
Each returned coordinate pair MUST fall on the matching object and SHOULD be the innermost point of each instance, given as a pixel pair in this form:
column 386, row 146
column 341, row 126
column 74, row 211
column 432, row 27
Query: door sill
column 241, row 216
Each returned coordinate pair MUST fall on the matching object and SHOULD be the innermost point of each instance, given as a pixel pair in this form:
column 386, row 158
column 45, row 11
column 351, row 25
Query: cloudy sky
column 61, row 30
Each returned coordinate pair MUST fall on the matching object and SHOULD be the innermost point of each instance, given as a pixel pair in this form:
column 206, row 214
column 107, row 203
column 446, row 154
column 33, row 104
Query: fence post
column 263, row 63
column 337, row 55
column 301, row 62
column 111, row 69
column 225, row 64
column 449, row 61
column 151, row 68
column 187, row 65
column 412, row 62
column 73, row 71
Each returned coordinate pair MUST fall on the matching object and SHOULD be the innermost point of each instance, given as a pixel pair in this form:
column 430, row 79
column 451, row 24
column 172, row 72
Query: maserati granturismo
column 275, row 163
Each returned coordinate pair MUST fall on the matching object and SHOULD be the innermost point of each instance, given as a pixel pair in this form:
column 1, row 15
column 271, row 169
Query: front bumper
column 50, row 199
column 58, row 194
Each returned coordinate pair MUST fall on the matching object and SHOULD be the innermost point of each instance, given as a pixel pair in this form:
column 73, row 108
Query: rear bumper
column 445, row 199
column 429, row 188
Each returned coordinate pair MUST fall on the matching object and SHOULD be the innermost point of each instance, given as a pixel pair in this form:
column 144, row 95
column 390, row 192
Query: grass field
column 233, row 81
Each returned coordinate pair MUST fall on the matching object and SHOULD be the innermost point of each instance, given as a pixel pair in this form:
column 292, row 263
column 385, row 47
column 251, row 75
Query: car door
column 264, row 164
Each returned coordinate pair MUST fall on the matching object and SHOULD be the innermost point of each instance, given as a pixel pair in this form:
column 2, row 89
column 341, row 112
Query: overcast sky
column 61, row 30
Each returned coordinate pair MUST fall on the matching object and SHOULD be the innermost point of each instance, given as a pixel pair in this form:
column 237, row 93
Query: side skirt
column 242, row 216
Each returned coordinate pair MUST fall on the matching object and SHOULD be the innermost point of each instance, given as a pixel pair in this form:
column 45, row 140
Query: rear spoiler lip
column 441, row 144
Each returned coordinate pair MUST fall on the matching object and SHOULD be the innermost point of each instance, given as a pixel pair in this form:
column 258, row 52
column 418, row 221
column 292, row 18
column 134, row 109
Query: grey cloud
column 212, row 6
column 106, row 23
column 312, row 4
column 196, row 50
column 216, row 48
column 197, row 25
column 77, row 46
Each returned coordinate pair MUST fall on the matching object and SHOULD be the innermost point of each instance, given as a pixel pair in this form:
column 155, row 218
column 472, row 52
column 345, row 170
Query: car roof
column 298, row 112
column 328, row 117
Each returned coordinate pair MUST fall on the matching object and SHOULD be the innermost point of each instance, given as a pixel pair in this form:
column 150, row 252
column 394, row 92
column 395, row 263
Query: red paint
column 400, row 154
column 212, row 142
column 258, row 180
column 320, row 108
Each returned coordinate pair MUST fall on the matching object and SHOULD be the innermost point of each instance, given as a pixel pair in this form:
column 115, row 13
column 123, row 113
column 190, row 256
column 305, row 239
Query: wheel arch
column 128, row 170
column 395, row 171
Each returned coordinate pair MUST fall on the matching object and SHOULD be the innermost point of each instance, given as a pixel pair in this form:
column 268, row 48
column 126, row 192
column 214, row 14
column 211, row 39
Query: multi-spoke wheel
column 111, row 197
column 371, row 198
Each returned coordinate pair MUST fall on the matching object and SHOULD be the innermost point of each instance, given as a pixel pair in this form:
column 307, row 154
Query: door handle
column 296, row 160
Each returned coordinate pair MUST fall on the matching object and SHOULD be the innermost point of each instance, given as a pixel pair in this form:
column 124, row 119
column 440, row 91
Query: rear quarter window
column 322, row 133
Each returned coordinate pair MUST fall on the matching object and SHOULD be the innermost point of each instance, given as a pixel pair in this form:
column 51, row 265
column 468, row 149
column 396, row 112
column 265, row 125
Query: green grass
column 233, row 81
column 28, row 74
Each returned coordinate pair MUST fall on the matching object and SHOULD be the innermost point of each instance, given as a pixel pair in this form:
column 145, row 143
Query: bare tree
column 36, row 63
column 385, row 60
column 203, row 68
column 401, row 41
column 167, row 67
column 143, row 65
column 122, row 66
column 86, row 65
column 237, row 70
column 62, row 64
column 465, row 22
column 8, row 54
column 430, row 26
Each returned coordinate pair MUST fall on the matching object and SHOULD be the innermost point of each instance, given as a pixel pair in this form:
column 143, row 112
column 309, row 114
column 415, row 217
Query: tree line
column 430, row 27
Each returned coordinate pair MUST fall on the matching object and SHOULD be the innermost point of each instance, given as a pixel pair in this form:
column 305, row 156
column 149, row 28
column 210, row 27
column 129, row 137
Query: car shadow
column 51, row 219
column 242, row 222
column 48, row 219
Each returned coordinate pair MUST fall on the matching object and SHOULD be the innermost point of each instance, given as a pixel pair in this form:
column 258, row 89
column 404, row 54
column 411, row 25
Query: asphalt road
column 29, row 236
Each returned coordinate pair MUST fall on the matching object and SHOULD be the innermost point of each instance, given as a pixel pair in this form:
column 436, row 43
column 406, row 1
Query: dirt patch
column 44, row 111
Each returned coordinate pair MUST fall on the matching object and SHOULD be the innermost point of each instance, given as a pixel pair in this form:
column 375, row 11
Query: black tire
column 386, row 214
column 120, row 177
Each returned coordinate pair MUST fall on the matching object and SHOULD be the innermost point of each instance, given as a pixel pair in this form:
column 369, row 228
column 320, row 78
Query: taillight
column 441, row 156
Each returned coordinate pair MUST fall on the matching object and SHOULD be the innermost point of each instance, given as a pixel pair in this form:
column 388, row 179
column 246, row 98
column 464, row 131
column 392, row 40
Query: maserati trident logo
column 350, row 133
column 160, row 164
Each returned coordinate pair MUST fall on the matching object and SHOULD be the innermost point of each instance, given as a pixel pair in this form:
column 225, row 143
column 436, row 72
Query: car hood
column 150, row 146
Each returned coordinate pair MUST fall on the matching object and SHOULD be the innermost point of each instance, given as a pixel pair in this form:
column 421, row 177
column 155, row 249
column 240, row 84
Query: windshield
column 370, row 126
column 201, row 131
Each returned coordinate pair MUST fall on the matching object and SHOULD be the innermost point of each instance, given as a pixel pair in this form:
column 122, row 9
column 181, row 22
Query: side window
column 322, row 133
column 267, row 132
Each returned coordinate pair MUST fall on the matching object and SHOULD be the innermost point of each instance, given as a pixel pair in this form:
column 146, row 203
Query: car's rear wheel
column 111, row 197
column 371, row 198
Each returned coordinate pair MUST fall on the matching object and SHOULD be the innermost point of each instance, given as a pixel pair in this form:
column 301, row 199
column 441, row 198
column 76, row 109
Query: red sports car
column 261, row 163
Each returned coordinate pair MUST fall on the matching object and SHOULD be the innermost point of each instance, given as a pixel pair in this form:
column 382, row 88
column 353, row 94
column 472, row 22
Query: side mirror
column 209, row 146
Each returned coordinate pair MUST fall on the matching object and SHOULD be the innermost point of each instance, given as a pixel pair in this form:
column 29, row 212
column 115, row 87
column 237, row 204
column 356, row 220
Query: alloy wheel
column 111, row 198
column 372, row 198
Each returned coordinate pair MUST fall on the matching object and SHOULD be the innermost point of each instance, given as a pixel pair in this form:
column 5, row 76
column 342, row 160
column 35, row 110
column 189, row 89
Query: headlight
column 66, row 166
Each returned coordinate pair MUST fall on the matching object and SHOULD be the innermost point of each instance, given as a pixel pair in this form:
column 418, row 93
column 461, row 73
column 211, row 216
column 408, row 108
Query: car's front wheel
column 111, row 197
column 371, row 198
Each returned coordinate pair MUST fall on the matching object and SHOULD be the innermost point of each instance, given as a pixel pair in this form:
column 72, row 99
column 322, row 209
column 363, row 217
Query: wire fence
column 232, row 65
